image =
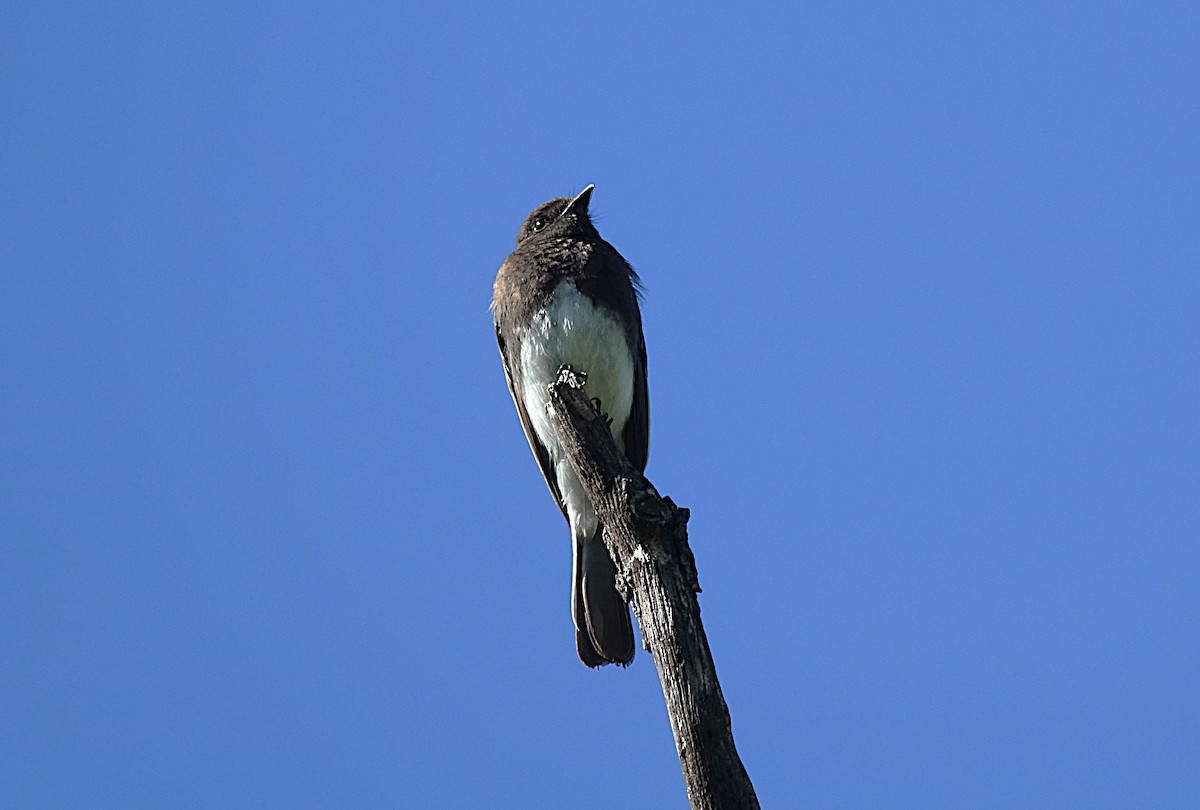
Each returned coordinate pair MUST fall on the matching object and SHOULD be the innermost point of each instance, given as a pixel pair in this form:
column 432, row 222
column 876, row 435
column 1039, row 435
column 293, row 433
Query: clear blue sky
column 922, row 297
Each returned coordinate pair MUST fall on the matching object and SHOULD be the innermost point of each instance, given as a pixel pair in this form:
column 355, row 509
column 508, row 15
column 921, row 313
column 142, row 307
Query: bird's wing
column 636, row 435
column 512, row 371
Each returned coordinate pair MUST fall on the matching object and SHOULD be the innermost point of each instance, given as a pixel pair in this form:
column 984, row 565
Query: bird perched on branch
column 567, row 297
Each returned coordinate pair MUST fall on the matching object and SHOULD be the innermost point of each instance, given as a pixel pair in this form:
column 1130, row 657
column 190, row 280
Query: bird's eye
column 538, row 224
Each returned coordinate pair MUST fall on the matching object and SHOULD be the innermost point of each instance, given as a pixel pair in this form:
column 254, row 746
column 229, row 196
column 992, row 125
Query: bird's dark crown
column 558, row 218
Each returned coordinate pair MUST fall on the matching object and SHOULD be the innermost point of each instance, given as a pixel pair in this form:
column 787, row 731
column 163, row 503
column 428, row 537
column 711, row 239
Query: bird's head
column 561, row 217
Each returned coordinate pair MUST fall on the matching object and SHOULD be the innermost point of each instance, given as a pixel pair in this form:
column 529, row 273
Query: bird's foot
column 600, row 410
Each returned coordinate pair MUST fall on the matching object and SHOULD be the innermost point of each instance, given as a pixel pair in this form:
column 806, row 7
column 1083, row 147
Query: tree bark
column 646, row 535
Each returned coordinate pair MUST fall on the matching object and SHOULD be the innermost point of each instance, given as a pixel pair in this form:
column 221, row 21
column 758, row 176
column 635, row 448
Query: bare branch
column 647, row 537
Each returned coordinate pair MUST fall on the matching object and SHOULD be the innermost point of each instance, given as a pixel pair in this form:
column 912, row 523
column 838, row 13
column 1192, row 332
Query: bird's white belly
column 572, row 331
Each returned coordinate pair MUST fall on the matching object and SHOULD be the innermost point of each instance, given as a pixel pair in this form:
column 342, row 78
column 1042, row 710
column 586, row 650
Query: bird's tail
column 603, row 629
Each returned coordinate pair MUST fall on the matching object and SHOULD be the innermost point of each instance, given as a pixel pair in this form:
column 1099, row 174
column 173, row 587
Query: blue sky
column 921, row 306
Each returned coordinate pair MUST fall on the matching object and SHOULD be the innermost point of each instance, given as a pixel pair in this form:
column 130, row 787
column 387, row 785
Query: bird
column 565, row 296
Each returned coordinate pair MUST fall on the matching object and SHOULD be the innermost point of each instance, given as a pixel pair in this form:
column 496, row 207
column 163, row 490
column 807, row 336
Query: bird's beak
column 580, row 203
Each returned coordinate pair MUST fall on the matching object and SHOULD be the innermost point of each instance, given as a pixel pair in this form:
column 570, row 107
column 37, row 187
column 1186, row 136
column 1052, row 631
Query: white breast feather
column 572, row 331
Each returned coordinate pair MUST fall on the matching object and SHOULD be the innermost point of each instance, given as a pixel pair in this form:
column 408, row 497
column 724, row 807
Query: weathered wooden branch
column 647, row 536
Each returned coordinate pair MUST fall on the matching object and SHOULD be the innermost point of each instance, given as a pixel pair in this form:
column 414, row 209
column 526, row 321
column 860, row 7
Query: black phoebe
column 566, row 297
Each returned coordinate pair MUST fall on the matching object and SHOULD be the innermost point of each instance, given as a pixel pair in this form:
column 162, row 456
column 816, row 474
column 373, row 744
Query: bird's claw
column 600, row 410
